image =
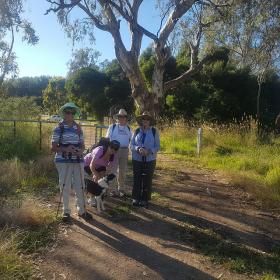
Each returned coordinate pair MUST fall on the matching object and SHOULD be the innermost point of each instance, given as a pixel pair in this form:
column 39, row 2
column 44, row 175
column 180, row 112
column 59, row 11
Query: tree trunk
column 143, row 98
column 258, row 107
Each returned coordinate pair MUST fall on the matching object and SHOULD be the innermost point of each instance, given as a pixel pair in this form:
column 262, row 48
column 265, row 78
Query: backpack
column 114, row 126
column 61, row 127
column 103, row 141
column 153, row 131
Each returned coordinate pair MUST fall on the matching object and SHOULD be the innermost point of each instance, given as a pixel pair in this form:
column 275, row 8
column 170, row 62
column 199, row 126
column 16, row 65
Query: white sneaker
column 92, row 202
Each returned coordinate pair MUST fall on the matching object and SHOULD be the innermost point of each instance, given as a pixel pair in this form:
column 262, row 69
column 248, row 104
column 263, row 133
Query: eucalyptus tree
column 83, row 58
column 12, row 22
column 107, row 15
column 252, row 32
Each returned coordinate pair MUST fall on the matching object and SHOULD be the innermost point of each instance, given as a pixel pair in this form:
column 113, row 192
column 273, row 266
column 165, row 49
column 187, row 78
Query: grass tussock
column 24, row 230
column 32, row 177
column 235, row 151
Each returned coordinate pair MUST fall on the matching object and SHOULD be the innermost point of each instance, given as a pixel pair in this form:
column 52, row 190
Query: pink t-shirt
column 96, row 156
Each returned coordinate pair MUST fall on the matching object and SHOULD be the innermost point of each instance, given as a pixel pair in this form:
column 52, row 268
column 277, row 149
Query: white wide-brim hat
column 121, row 113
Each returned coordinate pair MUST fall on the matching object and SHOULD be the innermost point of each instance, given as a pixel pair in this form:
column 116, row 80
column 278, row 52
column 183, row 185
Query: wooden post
column 96, row 131
column 14, row 130
column 199, row 141
column 40, row 135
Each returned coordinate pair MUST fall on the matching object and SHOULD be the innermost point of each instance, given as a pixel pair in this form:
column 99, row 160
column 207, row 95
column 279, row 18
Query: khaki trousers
column 121, row 167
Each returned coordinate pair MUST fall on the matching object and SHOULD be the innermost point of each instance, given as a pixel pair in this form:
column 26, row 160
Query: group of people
column 112, row 157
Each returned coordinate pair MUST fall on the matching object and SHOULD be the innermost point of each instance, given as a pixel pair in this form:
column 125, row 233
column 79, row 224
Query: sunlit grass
column 235, row 150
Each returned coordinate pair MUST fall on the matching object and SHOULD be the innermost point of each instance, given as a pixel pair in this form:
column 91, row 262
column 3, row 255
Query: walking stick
column 143, row 174
column 61, row 190
column 83, row 187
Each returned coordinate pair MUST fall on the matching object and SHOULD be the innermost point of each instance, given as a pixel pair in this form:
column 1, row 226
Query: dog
column 99, row 189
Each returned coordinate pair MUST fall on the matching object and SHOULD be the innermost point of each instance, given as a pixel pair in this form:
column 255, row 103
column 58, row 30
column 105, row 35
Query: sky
column 54, row 49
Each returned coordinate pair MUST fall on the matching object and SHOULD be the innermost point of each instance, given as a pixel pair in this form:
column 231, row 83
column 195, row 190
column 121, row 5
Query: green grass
column 233, row 150
column 233, row 256
column 121, row 212
column 156, row 196
column 12, row 267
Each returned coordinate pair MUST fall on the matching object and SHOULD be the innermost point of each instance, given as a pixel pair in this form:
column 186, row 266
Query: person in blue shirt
column 144, row 146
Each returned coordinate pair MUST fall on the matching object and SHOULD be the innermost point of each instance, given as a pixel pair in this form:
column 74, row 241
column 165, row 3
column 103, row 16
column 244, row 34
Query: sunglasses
column 69, row 112
column 145, row 119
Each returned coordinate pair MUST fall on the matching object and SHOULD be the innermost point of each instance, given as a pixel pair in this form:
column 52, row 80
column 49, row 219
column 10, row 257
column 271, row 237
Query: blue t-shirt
column 72, row 135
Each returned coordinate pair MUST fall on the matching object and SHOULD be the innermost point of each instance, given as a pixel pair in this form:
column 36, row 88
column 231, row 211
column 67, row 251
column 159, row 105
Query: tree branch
column 130, row 19
column 180, row 9
column 97, row 22
column 61, row 5
column 186, row 75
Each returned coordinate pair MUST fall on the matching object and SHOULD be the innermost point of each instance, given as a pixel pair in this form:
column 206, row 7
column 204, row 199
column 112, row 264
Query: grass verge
column 235, row 152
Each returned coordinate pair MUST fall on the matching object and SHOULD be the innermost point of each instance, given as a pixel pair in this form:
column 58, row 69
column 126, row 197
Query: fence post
column 40, row 135
column 14, row 130
column 199, row 140
column 96, row 134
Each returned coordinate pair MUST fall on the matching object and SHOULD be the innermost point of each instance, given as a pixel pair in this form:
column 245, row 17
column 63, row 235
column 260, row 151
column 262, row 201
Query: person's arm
column 133, row 145
column 95, row 174
column 96, row 154
column 109, row 132
column 81, row 149
column 156, row 146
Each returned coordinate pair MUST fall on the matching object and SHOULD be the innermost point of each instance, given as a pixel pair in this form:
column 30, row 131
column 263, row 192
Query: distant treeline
column 220, row 92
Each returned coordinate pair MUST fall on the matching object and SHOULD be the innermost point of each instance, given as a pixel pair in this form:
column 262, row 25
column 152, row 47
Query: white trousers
column 121, row 167
column 71, row 174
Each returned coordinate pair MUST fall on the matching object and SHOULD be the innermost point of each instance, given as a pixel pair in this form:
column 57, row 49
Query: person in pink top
column 99, row 161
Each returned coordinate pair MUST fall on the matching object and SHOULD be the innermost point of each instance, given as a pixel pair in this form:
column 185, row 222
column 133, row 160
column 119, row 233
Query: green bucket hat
column 70, row 105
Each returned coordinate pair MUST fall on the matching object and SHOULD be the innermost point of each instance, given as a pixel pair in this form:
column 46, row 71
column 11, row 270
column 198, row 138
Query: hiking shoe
column 86, row 216
column 135, row 202
column 112, row 194
column 66, row 218
column 92, row 202
column 122, row 194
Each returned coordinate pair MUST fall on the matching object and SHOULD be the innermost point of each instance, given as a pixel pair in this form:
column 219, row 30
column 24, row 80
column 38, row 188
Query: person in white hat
column 121, row 132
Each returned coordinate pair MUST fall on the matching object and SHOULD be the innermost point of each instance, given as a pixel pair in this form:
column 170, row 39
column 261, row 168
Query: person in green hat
column 68, row 144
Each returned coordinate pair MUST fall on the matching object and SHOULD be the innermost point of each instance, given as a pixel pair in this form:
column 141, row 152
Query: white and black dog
column 99, row 189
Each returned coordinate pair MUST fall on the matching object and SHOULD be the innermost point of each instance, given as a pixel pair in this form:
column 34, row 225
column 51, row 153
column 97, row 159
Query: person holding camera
column 68, row 144
column 144, row 145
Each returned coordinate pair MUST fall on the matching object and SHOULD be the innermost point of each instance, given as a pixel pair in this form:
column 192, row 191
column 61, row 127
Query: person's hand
column 96, row 177
column 70, row 149
column 78, row 152
column 142, row 151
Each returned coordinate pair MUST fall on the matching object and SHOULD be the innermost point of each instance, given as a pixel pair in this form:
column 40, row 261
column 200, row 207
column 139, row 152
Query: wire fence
column 41, row 131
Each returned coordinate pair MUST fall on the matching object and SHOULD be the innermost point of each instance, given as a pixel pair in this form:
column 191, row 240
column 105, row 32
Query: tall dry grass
column 27, row 224
column 234, row 150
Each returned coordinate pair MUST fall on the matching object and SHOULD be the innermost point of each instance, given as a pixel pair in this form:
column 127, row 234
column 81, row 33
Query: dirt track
column 145, row 244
